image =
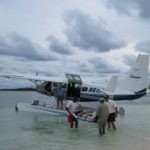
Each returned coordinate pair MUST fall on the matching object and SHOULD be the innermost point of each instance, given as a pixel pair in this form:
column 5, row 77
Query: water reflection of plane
column 132, row 87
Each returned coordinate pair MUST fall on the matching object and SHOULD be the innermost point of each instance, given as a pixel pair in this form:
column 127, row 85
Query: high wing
column 44, row 85
column 31, row 77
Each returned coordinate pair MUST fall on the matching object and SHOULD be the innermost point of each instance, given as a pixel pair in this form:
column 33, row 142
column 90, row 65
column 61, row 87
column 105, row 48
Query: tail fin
column 112, row 83
column 137, row 77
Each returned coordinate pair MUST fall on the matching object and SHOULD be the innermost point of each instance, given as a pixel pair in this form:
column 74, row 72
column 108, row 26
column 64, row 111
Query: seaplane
column 131, row 87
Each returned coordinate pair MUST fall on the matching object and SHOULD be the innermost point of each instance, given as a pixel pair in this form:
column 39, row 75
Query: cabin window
column 94, row 90
column 54, row 84
column 97, row 90
column 77, row 78
column 91, row 89
column 70, row 77
column 48, row 85
column 64, row 85
column 84, row 89
column 77, row 85
column 40, row 82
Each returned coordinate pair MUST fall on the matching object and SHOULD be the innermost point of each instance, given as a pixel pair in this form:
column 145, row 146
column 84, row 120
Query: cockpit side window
column 64, row 85
column 94, row 90
column 84, row 89
column 98, row 90
column 54, row 84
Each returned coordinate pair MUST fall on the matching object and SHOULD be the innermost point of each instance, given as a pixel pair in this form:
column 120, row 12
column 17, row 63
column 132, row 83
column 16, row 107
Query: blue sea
column 33, row 131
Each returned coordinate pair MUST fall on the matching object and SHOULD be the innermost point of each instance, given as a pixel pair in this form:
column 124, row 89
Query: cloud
column 129, row 59
column 143, row 46
column 41, row 72
column 131, row 7
column 101, row 66
column 83, row 68
column 21, row 47
column 88, row 34
column 59, row 47
column 1, row 67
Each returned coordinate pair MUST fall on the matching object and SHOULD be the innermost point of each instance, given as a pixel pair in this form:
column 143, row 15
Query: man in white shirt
column 71, row 108
column 113, row 111
column 74, row 112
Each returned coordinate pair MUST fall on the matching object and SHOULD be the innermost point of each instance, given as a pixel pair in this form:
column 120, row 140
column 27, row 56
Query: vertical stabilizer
column 112, row 83
column 137, row 77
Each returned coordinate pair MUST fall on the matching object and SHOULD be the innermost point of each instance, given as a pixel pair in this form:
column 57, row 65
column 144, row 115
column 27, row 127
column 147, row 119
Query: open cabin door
column 74, row 86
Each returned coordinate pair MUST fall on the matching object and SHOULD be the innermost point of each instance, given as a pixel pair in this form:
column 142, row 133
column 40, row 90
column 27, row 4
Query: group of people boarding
column 106, row 113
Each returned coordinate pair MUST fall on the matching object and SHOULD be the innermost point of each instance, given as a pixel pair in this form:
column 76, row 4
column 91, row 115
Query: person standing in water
column 113, row 111
column 60, row 95
column 71, row 108
column 101, row 116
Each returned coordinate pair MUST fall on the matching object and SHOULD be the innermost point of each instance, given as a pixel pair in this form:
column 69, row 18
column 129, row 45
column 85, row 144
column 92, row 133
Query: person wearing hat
column 101, row 116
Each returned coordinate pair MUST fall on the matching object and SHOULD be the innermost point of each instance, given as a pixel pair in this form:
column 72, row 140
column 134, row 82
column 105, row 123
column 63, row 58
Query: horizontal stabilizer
column 112, row 83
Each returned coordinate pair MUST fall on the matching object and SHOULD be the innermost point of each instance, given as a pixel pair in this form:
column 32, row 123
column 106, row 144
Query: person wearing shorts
column 71, row 108
column 113, row 111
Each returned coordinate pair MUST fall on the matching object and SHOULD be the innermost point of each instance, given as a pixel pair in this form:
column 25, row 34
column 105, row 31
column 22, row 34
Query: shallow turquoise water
column 31, row 131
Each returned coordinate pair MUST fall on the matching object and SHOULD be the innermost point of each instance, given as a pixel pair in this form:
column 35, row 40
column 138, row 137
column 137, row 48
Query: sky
column 93, row 38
